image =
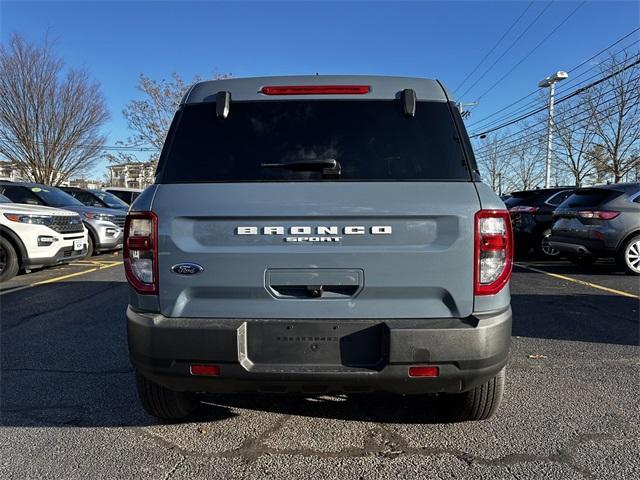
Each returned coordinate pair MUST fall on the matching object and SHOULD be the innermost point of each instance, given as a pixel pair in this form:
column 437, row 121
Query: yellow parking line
column 581, row 282
column 76, row 274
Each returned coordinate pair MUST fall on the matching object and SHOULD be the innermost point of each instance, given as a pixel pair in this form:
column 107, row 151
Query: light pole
column 550, row 82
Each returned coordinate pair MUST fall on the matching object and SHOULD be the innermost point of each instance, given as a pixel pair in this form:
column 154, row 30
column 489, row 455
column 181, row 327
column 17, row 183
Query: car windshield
column 110, row 199
column 55, row 197
column 295, row 140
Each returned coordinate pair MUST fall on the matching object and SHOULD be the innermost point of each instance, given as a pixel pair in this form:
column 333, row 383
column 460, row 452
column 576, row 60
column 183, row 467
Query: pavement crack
column 175, row 467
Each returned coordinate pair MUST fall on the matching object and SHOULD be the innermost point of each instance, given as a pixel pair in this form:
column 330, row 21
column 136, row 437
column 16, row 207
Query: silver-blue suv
column 318, row 234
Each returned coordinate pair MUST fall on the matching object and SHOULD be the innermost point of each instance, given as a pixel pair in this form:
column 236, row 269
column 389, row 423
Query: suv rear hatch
column 314, row 208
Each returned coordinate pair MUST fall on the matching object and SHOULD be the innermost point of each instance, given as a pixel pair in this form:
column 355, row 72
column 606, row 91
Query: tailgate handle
column 314, row 291
column 314, row 283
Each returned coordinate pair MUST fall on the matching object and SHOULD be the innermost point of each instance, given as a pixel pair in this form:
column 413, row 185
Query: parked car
column 96, row 198
column 104, row 225
column 318, row 234
column 34, row 236
column 127, row 195
column 601, row 221
column 532, row 216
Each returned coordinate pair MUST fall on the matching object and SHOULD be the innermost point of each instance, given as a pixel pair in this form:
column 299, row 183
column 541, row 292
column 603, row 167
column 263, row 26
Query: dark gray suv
column 318, row 234
column 602, row 221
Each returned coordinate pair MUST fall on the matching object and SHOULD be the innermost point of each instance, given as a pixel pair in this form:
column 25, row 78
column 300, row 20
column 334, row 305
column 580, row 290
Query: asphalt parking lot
column 68, row 407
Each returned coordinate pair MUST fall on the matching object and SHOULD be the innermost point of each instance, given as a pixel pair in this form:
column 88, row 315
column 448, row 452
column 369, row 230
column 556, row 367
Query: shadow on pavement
column 64, row 359
column 565, row 267
column 598, row 318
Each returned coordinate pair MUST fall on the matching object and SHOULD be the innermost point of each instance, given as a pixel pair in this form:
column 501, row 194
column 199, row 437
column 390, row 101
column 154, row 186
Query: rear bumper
column 369, row 355
column 578, row 246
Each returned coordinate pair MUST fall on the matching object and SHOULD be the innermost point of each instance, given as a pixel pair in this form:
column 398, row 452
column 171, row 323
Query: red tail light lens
column 316, row 90
column 424, row 371
column 493, row 251
column 141, row 252
column 205, row 370
column 598, row 214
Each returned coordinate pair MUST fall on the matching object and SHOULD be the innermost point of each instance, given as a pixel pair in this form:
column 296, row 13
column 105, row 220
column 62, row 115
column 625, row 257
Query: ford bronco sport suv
column 318, row 234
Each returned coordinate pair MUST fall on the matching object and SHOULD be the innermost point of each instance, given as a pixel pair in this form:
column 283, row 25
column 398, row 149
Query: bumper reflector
column 205, row 370
column 423, row 371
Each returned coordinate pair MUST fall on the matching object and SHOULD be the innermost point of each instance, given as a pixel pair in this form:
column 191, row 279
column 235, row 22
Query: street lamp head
column 556, row 77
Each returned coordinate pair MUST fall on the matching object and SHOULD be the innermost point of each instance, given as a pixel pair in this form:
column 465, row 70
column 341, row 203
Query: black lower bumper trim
column 254, row 355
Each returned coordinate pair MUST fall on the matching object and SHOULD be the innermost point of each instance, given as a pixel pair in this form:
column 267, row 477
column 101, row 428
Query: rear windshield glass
column 587, row 198
column 370, row 140
column 520, row 198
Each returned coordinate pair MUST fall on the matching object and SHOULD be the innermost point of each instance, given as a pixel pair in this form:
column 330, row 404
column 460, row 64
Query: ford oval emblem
column 187, row 268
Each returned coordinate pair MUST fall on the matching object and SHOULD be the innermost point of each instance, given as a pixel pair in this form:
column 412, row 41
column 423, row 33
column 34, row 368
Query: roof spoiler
column 223, row 101
column 408, row 96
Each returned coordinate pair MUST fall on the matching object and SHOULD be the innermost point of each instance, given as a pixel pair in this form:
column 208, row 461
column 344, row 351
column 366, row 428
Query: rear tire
column 543, row 249
column 629, row 256
column 479, row 403
column 9, row 262
column 163, row 403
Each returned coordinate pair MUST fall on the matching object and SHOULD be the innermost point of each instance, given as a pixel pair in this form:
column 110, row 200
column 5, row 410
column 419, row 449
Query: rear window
column 371, row 140
column 592, row 197
column 521, row 198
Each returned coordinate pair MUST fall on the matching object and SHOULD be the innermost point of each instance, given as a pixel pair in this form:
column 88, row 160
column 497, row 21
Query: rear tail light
column 493, row 251
column 598, row 214
column 523, row 209
column 141, row 252
column 316, row 90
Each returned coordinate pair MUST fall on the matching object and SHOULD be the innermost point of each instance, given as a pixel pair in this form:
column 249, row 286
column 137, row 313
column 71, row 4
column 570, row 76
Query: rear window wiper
column 329, row 167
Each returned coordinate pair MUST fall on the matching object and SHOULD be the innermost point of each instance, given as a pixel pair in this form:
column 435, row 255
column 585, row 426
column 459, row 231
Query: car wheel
column 90, row 248
column 9, row 264
column 543, row 248
column 479, row 403
column 583, row 260
column 630, row 256
column 163, row 403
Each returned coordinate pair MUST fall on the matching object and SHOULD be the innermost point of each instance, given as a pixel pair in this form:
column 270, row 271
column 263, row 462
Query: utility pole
column 551, row 83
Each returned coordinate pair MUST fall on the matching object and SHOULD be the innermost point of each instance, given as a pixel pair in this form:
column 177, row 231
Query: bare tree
column 493, row 162
column 574, row 132
column 526, row 162
column 616, row 114
column 150, row 117
column 50, row 119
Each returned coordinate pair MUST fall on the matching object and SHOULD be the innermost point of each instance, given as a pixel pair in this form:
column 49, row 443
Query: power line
column 483, row 152
column 570, row 70
column 520, row 133
column 503, row 77
column 560, row 100
column 513, row 24
column 563, row 118
column 563, row 86
column 508, row 48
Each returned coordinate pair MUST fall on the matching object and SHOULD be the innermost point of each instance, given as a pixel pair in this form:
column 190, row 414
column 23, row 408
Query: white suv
column 35, row 236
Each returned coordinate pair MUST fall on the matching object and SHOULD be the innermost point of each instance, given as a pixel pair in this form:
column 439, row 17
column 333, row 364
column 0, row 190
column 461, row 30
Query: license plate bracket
column 78, row 245
column 281, row 344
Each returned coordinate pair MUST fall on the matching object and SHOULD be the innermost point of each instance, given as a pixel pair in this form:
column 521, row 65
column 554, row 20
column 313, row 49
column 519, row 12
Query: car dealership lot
column 68, row 406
